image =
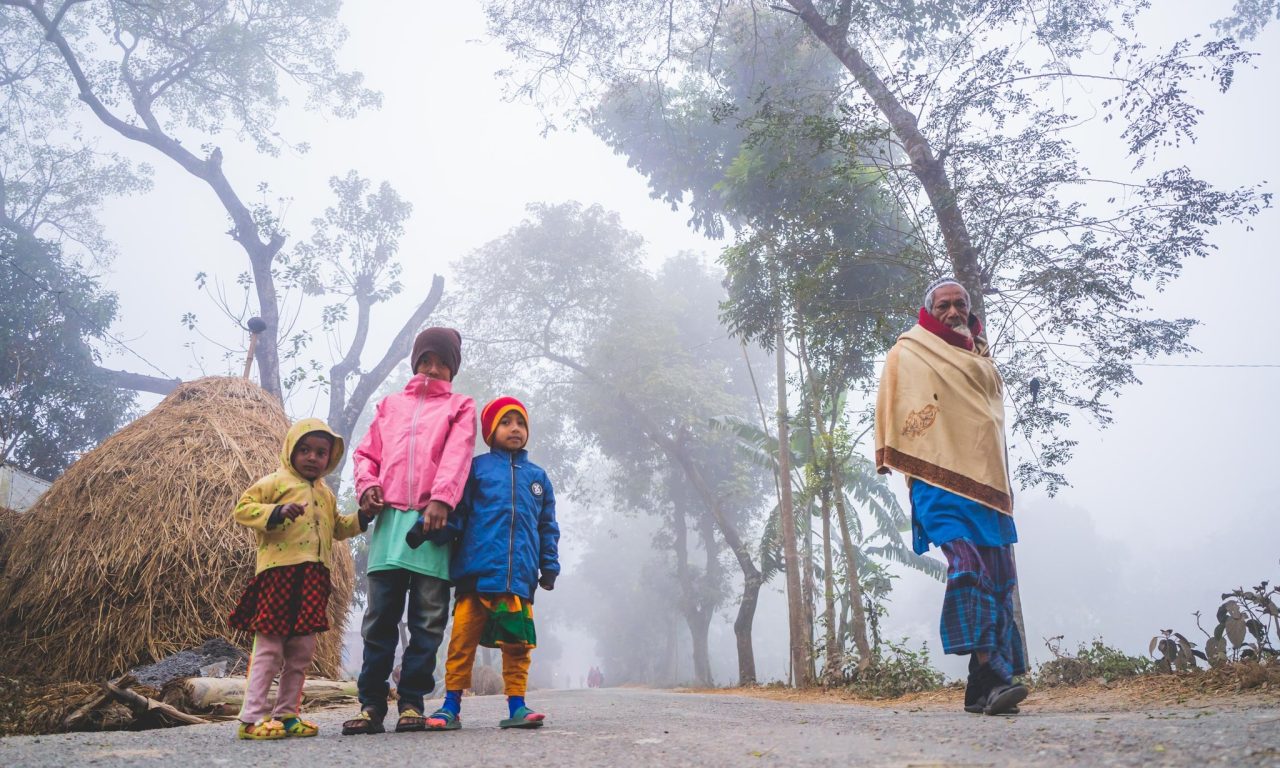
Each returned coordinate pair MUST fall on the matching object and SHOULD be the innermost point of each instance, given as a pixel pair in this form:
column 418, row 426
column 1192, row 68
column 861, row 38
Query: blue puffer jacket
column 505, row 525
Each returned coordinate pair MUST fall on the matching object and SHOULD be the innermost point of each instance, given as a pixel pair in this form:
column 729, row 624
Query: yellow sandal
column 296, row 726
column 266, row 729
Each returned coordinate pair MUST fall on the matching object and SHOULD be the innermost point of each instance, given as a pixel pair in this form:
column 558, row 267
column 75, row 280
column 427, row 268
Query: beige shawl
column 940, row 417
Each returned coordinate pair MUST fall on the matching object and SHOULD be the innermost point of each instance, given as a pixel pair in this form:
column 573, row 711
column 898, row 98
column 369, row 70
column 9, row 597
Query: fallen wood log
column 80, row 715
column 221, row 696
column 144, row 705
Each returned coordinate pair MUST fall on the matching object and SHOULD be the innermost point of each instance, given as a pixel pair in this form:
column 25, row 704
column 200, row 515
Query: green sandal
column 444, row 720
column 296, row 726
column 524, row 718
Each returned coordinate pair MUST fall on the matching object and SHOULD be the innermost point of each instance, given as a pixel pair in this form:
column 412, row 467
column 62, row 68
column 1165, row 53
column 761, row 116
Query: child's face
column 434, row 368
column 512, row 432
column 311, row 455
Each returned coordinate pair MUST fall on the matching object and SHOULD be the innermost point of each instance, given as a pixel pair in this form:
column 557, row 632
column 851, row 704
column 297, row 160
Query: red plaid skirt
column 288, row 600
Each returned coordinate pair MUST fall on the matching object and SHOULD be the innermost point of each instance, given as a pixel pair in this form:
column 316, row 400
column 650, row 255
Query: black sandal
column 364, row 723
column 411, row 720
column 1003, row 700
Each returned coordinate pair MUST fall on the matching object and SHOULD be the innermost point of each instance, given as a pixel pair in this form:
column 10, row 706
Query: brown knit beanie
column 445, row 342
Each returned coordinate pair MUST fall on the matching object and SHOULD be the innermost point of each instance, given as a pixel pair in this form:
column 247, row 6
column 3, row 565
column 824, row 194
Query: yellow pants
column 469, row 615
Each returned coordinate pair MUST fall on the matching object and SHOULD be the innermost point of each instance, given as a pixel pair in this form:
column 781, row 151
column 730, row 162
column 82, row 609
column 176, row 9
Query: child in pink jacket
column 413, row 461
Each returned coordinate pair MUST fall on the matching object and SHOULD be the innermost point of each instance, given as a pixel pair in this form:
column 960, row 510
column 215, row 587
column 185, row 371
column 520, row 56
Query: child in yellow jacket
column 294, row 515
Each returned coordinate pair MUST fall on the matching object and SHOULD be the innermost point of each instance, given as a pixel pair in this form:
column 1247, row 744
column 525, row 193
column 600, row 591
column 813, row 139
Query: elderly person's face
column 951, row 307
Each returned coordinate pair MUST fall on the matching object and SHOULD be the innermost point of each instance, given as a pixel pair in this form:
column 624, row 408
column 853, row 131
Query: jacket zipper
column 511, row 536
column 413, row 433
column 313, row 506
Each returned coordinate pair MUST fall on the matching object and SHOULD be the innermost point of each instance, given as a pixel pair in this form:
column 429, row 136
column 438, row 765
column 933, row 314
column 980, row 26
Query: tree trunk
column 138, row 382
column 832, row 668
column 927, row 167
column 807, row 562
column 671, row 669
column 851, row 555
column 742, row 624
column 790, row 554
column 836, row 480
column 345, row 411
column 675, row 450
column 695, row 617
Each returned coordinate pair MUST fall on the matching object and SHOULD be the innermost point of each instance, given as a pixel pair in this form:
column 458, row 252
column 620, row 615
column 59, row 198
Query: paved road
column 625, row 728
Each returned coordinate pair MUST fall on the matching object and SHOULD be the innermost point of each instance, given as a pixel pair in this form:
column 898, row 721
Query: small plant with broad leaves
column 1089, row 662
column 895, row 670
column 1247, row 619
column 1176, row 652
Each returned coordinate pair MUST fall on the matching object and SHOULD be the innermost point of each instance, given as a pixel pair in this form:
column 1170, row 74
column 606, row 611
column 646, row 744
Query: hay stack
column 132, row 554
column 10, row 522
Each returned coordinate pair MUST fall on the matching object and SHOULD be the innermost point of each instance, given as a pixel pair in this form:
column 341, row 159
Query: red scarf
column 937, row 328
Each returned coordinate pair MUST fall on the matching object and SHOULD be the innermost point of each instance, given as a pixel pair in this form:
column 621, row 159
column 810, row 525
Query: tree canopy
column 53, row 316
column 972, row 111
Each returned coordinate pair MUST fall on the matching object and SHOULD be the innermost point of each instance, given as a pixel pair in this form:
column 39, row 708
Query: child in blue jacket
column 507, row 547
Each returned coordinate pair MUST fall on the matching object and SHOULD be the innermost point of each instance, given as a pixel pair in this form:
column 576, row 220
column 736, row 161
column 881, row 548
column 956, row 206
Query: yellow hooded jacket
column 308, row 539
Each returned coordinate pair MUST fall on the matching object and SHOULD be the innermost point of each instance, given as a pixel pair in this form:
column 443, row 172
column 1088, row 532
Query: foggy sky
column 1169, row 507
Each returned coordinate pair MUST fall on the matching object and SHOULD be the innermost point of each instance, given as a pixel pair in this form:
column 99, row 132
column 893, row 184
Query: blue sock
column 514, row 703
column 452, row 702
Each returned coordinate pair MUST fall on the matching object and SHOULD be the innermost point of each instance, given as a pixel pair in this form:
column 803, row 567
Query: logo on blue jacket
column 536, row 488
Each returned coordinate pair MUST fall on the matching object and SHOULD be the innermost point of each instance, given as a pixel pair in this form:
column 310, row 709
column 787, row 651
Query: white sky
column 1169, row 507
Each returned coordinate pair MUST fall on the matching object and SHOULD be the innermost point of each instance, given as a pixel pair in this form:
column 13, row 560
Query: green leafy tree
column 53, row 405
column 976, row 141
column 172, row 77
column 53, row 180
column 631, row 362
column 1249, row 17
column 820, row 254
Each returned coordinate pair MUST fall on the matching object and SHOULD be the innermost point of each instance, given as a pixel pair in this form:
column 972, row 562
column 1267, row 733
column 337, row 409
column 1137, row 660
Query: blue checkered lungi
column 978, row 609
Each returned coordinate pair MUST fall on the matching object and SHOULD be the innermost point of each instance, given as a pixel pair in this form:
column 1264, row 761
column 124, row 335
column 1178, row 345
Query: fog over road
column 627, row 727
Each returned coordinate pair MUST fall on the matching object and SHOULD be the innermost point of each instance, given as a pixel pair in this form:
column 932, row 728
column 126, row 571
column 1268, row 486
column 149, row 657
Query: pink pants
column 288, row 657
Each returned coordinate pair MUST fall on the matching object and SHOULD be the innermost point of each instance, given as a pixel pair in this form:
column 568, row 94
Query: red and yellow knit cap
column 493, row 413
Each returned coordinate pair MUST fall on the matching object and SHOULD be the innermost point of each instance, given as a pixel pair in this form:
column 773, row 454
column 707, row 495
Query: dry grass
column 1236, row 685
column 10, row 522
column 27, row 708
column 132, row 554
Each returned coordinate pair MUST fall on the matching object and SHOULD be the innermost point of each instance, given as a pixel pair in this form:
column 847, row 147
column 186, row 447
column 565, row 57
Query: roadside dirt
column 1201, row 690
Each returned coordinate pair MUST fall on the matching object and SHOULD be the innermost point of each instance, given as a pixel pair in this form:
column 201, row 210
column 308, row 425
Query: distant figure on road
column 940, row 421
column 595, row 678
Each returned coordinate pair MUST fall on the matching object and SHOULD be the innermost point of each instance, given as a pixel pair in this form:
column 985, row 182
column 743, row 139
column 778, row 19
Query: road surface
column 623, row 728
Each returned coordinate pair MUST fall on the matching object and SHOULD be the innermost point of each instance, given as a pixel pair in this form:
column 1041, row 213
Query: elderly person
column 940, row 422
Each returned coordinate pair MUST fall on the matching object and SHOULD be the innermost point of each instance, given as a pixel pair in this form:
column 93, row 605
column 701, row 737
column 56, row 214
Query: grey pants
column 428, row 599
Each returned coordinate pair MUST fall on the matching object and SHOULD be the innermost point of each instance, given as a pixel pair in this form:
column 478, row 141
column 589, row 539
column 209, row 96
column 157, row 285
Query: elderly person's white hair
column 936, row 284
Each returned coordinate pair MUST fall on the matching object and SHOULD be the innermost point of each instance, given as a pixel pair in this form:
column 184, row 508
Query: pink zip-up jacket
column 419, row 446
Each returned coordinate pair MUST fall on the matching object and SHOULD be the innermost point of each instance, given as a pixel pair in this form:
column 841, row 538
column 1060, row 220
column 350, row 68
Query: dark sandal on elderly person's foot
column 524, row 718
column 411, row 720
column 444, row 720
column 981, row 707
column 363, row 723
column 1004, row 699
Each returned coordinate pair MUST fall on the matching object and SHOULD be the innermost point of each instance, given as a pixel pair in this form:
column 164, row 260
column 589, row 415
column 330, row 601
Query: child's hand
column 548, row 581
column 436, row 516
column 292, row 511
column 371, row 502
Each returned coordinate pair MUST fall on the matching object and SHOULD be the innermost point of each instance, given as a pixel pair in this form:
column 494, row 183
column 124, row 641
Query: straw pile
column 10, row 521
column 132, row 554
